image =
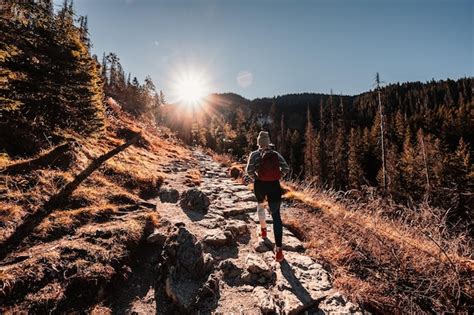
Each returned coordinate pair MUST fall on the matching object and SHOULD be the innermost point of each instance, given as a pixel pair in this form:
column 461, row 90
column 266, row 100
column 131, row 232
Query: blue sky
column 279, row 47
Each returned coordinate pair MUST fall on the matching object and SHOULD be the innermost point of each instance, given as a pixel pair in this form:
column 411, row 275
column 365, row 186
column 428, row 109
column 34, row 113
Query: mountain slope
column 113, row 237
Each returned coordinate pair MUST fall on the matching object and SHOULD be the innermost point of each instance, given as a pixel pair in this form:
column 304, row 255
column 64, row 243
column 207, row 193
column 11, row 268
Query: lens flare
column 190, row 87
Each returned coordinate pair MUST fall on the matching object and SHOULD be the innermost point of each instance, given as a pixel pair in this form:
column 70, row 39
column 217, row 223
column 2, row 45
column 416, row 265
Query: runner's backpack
column 269, row 166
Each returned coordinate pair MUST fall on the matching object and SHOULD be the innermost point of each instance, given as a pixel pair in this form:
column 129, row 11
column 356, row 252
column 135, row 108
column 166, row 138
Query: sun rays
column 190, row 87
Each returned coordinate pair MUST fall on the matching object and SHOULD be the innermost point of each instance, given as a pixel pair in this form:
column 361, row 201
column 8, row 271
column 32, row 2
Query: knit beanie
column 263, row 139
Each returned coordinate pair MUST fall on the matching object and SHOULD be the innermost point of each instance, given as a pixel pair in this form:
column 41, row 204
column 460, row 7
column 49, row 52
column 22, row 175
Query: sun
column 191, row 88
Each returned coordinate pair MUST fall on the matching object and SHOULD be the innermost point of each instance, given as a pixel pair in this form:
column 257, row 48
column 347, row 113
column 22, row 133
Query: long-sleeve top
column 254, row 159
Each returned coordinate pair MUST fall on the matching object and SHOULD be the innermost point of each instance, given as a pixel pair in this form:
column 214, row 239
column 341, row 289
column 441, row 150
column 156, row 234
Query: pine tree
column 33, row 94
column 309, row 153
column 273, row 128
column 394, row 171
column 282, row 144
column 295, row 153
column 355, row 171
column 400, row 128
column 421, row 148
column 318, row 162
column 340, row 161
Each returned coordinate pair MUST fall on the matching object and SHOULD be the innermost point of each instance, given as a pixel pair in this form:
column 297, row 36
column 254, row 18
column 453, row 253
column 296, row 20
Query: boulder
column 196, row 200
column 183, row 271
column 169, row 195
column 229, row 269
column 264, row 300
column 263, row 245
column 219, row 238
column 302, row 283
column 239, row 208
column 246, row 196
column 237, row 228
column 157, row 237
column 338, row 304
column 291, row 243
column 254, row 264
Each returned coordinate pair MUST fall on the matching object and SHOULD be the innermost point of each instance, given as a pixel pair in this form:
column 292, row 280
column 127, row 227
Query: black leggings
column 272, row 192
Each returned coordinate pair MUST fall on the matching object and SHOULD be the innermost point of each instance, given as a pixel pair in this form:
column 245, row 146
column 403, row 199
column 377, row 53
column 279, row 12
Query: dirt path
column 244, row 278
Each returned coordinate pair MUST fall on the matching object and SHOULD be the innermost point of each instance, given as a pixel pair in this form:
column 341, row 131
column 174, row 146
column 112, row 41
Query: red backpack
column 269, row 167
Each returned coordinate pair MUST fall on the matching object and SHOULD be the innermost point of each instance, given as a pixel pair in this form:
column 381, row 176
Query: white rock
column 216, row 239
column 255, row 264
column 338, row 304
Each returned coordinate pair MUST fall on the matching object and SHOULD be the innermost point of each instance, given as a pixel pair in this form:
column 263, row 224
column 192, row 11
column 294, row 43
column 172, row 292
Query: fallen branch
column 96, row 163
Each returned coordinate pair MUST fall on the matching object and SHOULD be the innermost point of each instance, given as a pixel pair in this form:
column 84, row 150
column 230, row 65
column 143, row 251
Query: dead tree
column 425, row 162
column 382, row 141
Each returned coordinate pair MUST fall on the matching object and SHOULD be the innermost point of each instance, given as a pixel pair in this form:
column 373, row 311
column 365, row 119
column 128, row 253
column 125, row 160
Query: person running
column 266, row 167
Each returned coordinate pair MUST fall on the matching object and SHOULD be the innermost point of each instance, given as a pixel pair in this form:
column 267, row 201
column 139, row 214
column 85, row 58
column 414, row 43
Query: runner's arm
column 285, row 169
column 250, row 169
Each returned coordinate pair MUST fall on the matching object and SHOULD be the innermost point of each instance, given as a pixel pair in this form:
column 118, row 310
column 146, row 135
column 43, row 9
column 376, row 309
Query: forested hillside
column 334, row 142
column 51, row 87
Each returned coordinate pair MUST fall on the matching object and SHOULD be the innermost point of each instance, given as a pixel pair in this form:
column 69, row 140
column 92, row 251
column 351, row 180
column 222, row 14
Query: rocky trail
column 213, row 261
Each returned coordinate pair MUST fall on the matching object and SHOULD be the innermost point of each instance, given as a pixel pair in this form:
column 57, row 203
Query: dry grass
column 386, row 261
column 224, row 159
column 236, row 171
column 67, row 221
column 86, row 242
column 4, row 160
column 135, row 178
column 193, row 177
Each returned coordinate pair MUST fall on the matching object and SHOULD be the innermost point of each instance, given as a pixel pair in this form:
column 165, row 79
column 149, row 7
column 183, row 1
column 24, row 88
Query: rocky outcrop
column 337, row 303
column 263, row 245
column 196, row 200
column 301, row 283
column 184, row 270
column 156, row 237
column 264, row 300
column 256, row 270
column 169, row 195
column 218, row 238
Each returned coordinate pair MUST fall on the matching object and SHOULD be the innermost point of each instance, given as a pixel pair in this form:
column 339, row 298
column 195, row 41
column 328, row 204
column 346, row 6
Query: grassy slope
column 386, row 262
column 87, row 242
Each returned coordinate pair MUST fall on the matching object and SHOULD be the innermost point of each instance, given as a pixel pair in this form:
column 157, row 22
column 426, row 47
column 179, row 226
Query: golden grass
column 85, row 242
column 193, row 177
column 10, row 212
column 224, row 159
column 236, row 171
column 64, row 222
column 384, row 262
column 4, row 160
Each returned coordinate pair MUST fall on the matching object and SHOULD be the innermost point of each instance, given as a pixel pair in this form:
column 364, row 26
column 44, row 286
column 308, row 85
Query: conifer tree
column 294, row 153
column 309, row 153
column 394, row 172
column 318, row 161
column 340, row 160
column 355, row 170
column 32, row 93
